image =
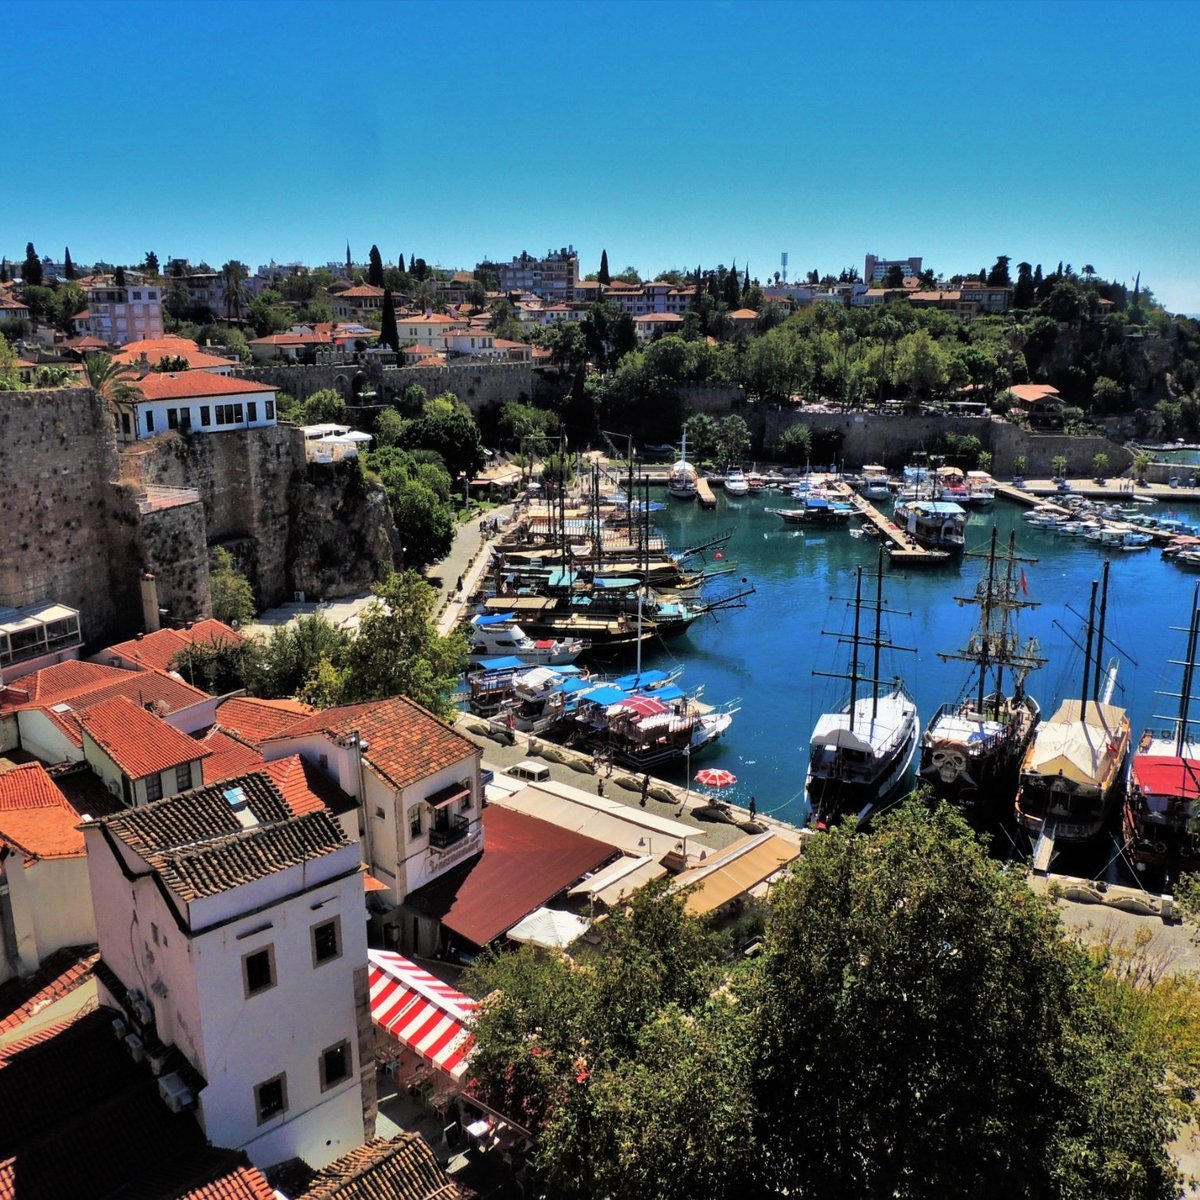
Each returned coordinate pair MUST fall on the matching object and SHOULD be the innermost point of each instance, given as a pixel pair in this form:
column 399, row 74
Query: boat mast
column 1100, row 633
column 878, row 635
column 986, row 623
column 1087, row 651
column 1189, row 671
column 854, row 644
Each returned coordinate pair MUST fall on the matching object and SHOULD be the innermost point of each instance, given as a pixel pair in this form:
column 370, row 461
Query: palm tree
column 110, row 379
column 1089, row 271
column 234, row 293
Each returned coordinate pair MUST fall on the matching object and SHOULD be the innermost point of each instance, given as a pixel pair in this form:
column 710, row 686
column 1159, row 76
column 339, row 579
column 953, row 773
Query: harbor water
column 767, row 654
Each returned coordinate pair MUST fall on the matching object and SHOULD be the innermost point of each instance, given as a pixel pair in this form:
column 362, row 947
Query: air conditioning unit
column 143, row 1013
column 137, row 1050
column 175, row 1093
column 120, row 1029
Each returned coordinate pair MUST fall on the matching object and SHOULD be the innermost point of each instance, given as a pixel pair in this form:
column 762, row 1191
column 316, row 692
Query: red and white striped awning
column 424, row 1013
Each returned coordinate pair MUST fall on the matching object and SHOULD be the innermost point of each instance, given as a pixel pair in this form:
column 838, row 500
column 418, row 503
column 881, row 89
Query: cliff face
column 341, row 534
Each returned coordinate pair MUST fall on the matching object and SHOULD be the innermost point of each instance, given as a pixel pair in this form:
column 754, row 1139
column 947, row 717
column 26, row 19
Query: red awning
column 644, row 706
column 421, row 1011
column 1157, row 775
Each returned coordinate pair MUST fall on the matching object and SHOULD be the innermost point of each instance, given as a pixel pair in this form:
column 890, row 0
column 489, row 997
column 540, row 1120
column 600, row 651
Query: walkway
column 466, row 562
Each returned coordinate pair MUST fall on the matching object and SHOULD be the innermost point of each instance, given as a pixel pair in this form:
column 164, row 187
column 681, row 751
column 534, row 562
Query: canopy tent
column 548, row 928
column 421, row 1011
column 613, row 883
column 1078, row 746
column 1162, row 775
column 735, row 871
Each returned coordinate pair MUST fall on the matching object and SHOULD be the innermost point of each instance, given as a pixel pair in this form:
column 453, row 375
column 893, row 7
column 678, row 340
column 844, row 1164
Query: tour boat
column 981, row 489
column 1074, row 769
column 859, row 755
column 735, row 482
column 497, row 634
column 755, row 482
column 934, row 524
column 972, row 749
column 876, row 485
column 1162, row 801
column 816, row 510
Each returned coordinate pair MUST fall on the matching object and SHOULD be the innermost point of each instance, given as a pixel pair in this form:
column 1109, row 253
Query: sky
column 670, row 134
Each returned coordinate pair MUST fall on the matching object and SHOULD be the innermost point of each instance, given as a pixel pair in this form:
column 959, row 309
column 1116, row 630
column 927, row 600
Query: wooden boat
column 934, row 524
column 859, row 755
column 972, row 749
column 1074, row 769
column 1161, row 816
column 682, row 479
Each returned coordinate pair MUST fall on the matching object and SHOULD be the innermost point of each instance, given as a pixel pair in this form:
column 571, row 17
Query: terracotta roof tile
column 306, row 788
column 51, row 684
column 256, row 720
column 195, row 385
column 525, row 863
column 159, row 648
column 403, row 1168
column 406, row 742
column 364, row 291
column 59, row 975
column 199, row 847
column 227, row 757
column 138, row 742
column 35, row 816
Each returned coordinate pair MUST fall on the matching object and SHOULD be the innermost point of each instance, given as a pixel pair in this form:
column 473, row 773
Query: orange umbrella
column 715, row 777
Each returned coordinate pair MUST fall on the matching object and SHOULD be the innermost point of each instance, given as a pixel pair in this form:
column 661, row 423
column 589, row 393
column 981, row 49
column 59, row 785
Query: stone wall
column 891, row 438
column 174, row 546
column 477, row 384
column 69, row 534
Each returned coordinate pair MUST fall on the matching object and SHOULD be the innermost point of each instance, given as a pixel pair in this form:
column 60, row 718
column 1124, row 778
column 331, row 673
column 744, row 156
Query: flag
column 1024, row 582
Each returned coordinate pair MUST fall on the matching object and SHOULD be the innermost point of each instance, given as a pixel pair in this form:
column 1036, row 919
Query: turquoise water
column 767, row 652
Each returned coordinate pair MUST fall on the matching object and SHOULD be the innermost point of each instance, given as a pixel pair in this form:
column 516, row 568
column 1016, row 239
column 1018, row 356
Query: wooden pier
column 902, row 549
column 704, row 494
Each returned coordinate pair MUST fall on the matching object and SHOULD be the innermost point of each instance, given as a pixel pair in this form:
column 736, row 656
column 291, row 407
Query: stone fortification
column 476, row 383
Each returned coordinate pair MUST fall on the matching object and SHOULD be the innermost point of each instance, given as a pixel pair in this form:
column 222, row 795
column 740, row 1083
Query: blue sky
column 669, row 133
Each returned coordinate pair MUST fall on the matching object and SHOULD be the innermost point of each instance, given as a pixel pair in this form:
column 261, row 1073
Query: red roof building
column 253, row 721
column 159, row 649
column 35, row 818
column 526, row 864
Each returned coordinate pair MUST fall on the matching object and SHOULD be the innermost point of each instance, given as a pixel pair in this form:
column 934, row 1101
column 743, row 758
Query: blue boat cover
column 575, row 685
column 493, row 618
column 501, row 664
column 606, row 694
column 561, row 578
column 616, row 583
column 632, row 682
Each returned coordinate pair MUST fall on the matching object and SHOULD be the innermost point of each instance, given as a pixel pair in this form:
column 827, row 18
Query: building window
column 270, row 410
column 154, row 932
column 185, row 418
column 205, row 414
column 172, row 418
column 137, row 295
column 237, row 413
column 153, row 787
column 326, row 941
column 125, row 429
column 149, row 420
column 270, row 1098
column 251, row 410
column 335, row 1065
column 414, row 821
column 183, row 776
column 258, row 970
column 466, row 800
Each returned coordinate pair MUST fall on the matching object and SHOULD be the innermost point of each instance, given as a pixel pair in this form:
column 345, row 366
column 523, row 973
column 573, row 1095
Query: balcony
column 448, row 832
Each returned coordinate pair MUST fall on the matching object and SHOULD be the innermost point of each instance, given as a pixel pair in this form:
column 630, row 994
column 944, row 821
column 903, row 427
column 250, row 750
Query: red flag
column 1024, row 582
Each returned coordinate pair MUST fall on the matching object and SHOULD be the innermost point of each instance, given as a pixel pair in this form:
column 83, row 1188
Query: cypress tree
column 375, row 268
column 4, row 271
column 604, row 277
column 31, row 272
column 400, row 265
column 68, row 265
column 746, row 280
column 732, row 292
column 389, row 334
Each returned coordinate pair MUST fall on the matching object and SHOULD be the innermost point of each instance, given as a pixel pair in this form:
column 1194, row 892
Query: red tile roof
column 59, row 975
column 364, row 291
column 525, row 863
column 59, row 682
column 195, row 385
column 227, row 757
column 406, row 742
column 253, row 721
column 156, row 349
column 35, row 816
column 306, row 788
column 159, row 648
column 401, row 1168
column 138, row 742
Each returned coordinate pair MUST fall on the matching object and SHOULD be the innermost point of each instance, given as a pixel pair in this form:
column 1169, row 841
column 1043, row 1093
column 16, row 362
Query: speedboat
column 735, row 482
column 498, row 635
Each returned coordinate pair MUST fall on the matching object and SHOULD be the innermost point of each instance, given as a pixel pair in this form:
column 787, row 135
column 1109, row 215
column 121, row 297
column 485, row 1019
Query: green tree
column 1024, row 291
column 733, row 440
column 279, row 665
column 234, row 293
column 1142, row 461
column 921, row 365
column 150, row 263
column 998, row 276
column 604, row 277
column 325, row 406
column 112, row 380
column 1058, row 464
column 68, row 265
column 927, row 1030
column 447, row 426
column 1108, row 395
column 794, row 445
column 232, row 595
column 518, row 421
column 398, row 652
column 1100, row 465
column 31, row 269
column 390, row 428
column 71, row 300
column 375, row 268
column 703, row 432
column 894, row 276
column 10, row 375
column 389, row 334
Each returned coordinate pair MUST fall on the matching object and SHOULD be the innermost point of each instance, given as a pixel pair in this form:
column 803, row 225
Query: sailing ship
column 972, row 749
column 1161, row 819
column 859, row 755
column 683, row 477
column 1074, row 769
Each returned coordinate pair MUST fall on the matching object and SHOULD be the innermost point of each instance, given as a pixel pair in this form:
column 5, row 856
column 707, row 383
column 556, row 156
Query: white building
column 122, row 314
column 232, row 930
column 553, row 277
column 429, row 329
column 193, row 402
column 45, row 901
column 417, row 783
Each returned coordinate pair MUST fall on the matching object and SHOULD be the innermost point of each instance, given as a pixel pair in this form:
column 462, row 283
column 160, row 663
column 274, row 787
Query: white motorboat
column 735, row 482
column 498, row 635
column 876, row 485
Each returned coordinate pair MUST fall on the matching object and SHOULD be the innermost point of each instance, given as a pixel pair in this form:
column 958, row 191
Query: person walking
column 753, row 808
column 645, row 788
column 600, row 786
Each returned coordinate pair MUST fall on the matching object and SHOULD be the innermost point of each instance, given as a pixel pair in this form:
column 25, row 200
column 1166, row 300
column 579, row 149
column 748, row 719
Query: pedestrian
column 645, row 788
column 753, row 808
column 458, row 587
column 600, row 786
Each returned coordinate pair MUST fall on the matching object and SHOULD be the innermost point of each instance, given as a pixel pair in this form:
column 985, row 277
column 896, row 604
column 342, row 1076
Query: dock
column 902, row 549
column 704, row 494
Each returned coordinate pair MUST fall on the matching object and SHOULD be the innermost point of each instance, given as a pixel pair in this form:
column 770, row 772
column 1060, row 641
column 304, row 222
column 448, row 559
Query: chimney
column 150, row 617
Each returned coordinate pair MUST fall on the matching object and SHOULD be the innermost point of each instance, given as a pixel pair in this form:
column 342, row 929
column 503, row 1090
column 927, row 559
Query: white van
column 534, row 772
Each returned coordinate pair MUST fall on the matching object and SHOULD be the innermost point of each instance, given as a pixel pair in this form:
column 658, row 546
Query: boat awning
column 617, row 583
column 1159, row 775
column 606, row 695
column 539, row 677
column 447, row 795
column 424, row 1013
column 643, row 706
column 1076, row 746
column 644, row 680
column 833, row 730
column 492, row 618
column 502, row 664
